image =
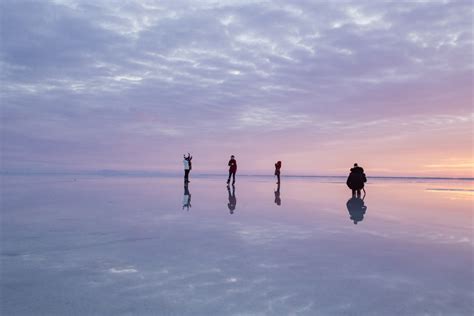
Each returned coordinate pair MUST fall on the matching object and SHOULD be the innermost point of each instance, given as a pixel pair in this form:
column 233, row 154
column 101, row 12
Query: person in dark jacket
column 232, row 199
column 356, row 208
column 277, row 171
column 232, row 169
column 356, row 179
column 356, row 168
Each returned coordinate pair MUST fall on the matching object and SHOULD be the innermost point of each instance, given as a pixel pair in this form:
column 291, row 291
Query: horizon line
column 114, row 172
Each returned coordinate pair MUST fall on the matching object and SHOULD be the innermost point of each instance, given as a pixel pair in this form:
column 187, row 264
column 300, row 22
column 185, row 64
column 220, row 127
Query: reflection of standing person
column 356, row 208
column 232, row 199
column 186, row 197
column 277, row 195
column 187, row 166
column 356, row 180
column 277, row 170
column 232, row 169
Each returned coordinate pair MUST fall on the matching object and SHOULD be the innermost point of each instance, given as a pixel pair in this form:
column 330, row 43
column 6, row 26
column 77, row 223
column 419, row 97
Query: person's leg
column 186, row 172
column 353, row 192
column 278, row 175
column 358, row 193
column 233, row 177
column 228, row 179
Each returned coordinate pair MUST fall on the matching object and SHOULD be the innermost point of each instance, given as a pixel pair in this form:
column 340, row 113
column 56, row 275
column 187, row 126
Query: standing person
column 232, row 169
column 277, row 170
column 356, row 179
column 187, row 166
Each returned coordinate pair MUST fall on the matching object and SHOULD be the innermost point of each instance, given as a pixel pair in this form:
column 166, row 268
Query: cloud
column 89, row 72
column 268, row 119
column 122, row 270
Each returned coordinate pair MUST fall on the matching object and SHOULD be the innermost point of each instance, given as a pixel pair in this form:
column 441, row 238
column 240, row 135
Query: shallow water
column 125, row 245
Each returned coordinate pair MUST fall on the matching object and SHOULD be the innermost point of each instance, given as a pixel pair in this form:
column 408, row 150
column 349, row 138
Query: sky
column 319, row 85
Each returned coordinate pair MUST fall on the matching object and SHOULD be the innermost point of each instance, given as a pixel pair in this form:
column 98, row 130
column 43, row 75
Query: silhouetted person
column 232, row 199
column 277, row 195
column 186, row 197
column 356, row 209
column 277, row 170
column 356, row 179
column 356, row 168
column 187, row 166
column 232, row 169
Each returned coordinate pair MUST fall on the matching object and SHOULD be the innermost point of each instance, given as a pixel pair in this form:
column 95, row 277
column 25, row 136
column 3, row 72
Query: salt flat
column 125, row 245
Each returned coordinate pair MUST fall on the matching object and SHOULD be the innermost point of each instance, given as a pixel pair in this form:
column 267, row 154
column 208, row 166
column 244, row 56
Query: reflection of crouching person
column 356, row 208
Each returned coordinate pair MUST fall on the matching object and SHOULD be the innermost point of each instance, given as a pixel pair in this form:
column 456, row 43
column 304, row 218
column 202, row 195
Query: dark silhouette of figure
column 186, row 197
column 232, row 169
column 356, row 207
column 356, row 179
column 187, row 166
column 232, row 199
column 277, row 170
column 277, row 195
column 356, row 168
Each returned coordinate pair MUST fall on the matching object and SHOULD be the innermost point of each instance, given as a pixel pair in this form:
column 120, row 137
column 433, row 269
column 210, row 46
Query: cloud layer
column 133, row 84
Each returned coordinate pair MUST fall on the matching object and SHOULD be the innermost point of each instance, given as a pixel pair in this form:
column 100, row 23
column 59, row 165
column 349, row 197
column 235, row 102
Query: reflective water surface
column 151, row 246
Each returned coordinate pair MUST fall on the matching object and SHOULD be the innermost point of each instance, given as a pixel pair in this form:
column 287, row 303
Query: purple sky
column 133, row 85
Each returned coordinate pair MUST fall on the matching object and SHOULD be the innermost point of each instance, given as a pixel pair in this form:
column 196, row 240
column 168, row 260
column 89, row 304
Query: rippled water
column 125, row 245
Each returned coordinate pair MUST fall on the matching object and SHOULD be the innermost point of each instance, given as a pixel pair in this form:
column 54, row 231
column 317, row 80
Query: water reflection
column 232, row 199
column 186, row 197
column 277, row 195
column 356, row 207
column 125, row 236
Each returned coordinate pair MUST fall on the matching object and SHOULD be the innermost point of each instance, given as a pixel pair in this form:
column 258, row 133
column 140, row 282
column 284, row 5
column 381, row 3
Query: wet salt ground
column 122, row 245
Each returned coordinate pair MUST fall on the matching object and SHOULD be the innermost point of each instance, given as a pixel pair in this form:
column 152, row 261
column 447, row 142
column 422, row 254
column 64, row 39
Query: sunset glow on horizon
column 134, row 85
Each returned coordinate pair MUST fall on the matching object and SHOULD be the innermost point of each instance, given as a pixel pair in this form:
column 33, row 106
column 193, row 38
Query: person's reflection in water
column 277, row 195
column 356, row 208
column 232, row 199
column 186, row 197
